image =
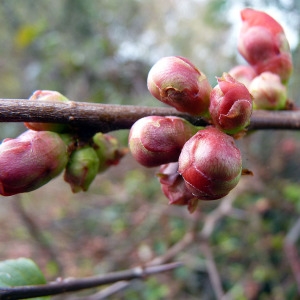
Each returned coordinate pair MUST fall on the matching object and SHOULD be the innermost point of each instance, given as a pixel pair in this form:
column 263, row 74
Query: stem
column 97, row 117
column 71, row 285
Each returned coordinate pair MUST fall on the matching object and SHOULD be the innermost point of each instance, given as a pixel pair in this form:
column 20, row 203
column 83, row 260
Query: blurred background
column 101, row 51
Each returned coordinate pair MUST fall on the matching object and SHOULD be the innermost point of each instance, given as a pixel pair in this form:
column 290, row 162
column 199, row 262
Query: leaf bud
column 175, row 81
column 48, row 96
column 108, row 150
column 268, row 92
column 157, row 140
column 230, row 105
column 81, row 169
column 30, row 161
column 210, row 164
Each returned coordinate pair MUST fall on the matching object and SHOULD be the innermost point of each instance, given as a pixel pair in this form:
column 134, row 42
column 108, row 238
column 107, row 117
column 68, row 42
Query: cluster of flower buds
column 204, row 163
column 45, row 150
column 263, row 44
column 195, row 163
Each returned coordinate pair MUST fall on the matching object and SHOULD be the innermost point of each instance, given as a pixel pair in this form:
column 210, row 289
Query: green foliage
column 20, row 272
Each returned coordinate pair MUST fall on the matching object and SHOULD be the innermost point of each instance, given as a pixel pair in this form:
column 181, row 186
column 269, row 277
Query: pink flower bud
column 210, row 164
column 156, row 140
column 263, row 44
column 30, row 161
column 175, row 81
column 108, row 150
column 243, row 74
column 280, row 65
column 48, row 96
column 81, row 169
column 230, row 105
column 268, row 92
column 174, row 187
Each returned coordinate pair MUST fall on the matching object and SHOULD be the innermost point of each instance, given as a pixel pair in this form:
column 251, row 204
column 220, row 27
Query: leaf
column 21, row 272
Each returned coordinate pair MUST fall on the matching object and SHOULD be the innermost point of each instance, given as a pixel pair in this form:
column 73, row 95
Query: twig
column 72, row 285
column 36, row 233
column 182, row 244
column 292, row 253
column 212, row 271
column 107, row 117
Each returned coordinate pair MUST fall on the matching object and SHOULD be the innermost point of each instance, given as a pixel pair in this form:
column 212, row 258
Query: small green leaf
column 21, row 272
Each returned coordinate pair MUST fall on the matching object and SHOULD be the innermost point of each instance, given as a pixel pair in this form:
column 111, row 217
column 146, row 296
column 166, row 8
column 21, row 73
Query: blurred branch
column 212, row 270
column 35, row 232
column 292, row 252
column 72, row 285
column 107, row 117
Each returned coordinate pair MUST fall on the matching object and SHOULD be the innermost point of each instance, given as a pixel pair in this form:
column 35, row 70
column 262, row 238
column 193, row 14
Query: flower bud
column 263, row 44
column 175, row 81
column 243, row 74
column 174, row 188
column 280, row 65
column 48, row 96
column 108, row 150
column 156, row 140
column 230, row 105
column 268, row 92
column 30, row 161
column 210, row 164
column 81, row 169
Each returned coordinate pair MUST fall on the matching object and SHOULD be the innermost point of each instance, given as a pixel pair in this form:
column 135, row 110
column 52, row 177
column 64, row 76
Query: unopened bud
column 268, row 92
column 156, row 140
column 280, row 65
column 230, row 105
column 30, row 161
column 243, row 74
column 108, row 150
column 210, row 164
column 263, row 44
column 173, row 185
column 48, row 96
column 175, row 81
column 81, row 169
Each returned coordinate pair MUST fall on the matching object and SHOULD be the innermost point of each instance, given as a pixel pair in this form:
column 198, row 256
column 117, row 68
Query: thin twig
column 36, row 233
column 292, row 252
column 72, row 285
column 212, row 270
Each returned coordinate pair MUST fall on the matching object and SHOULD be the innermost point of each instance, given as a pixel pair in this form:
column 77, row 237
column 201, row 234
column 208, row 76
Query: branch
column 94, row 116
column 291, row 251
column 107, row 117
column 72, row 285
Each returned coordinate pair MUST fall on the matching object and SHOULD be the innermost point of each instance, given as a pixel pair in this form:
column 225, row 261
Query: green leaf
column 21, row 272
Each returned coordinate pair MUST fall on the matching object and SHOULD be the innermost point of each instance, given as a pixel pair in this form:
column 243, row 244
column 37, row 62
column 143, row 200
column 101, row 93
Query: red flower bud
column 30, row 161
column 173, row 185
column 108, row 150
column 280, row 65
column 175, row 81
column 81, row 169
column 48, row 96
column 210, row 164
column 156, row 140
column 243, row 74
column 263, row 44
column 268, row 92
column 230, row 105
